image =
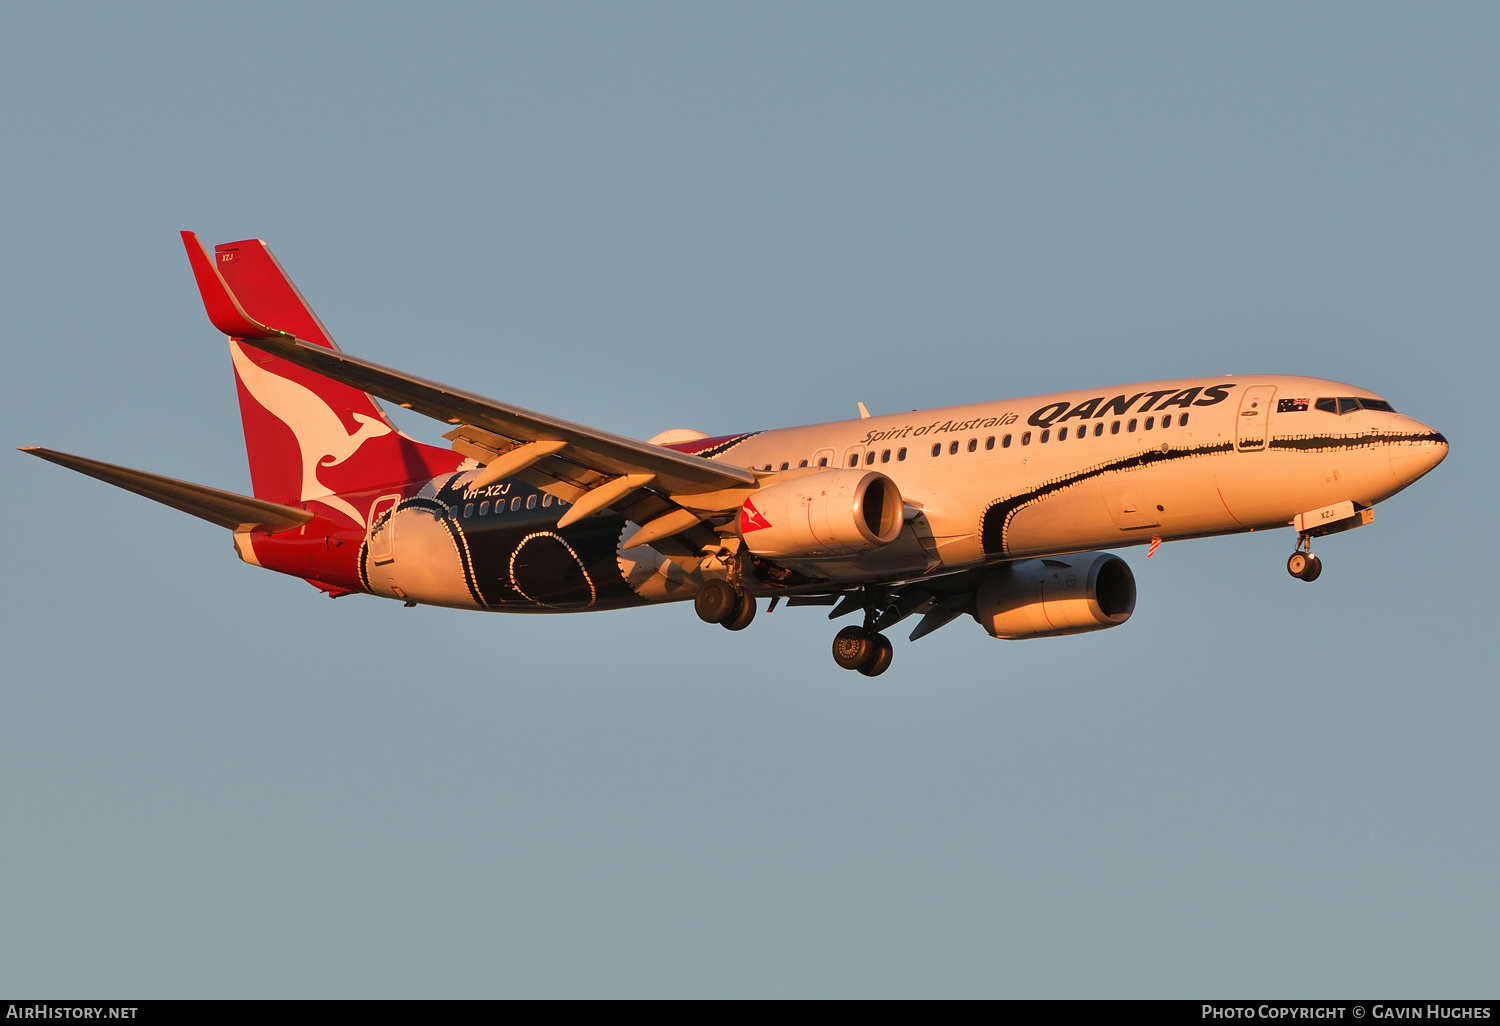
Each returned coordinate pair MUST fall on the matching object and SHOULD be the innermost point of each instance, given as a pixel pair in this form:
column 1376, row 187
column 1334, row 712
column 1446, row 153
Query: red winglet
column 223, row 309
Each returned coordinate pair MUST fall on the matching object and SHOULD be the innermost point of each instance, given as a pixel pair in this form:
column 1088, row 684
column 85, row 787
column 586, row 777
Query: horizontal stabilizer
column 226, row 509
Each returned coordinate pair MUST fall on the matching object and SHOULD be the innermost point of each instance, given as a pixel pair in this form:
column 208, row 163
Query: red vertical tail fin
column 309, row 439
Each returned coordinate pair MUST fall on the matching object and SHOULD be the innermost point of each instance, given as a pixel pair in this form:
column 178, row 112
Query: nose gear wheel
column 1304, row 565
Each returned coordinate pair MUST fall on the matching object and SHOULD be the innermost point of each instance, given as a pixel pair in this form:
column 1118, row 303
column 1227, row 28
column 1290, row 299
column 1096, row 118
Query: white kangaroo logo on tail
column 319, row 431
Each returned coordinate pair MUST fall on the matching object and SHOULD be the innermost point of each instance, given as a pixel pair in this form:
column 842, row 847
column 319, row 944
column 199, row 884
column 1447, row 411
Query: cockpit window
column 1348, row 404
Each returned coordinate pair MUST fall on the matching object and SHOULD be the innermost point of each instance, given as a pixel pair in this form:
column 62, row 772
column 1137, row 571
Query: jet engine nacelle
column 1047, row 598
column 826, row 513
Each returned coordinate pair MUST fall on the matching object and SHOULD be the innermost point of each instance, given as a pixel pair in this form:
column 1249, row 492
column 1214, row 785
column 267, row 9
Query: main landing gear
column 864, row 648
column 857, row 648
column 729, row 605
column 1304, row 565
column 854, row 648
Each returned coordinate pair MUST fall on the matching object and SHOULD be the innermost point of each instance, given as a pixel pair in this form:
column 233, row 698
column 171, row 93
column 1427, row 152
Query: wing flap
column 226, row 509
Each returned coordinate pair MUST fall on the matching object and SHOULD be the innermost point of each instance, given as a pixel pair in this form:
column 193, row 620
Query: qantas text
column 1054, row 413
column 1120, row 405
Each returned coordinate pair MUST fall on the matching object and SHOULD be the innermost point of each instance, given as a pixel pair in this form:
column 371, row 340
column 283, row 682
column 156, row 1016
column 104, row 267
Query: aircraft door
column 1254, row 421
column 381, row 537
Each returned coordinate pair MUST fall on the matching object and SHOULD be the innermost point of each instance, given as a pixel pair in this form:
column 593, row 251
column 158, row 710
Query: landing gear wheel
column 879, row 659
column 855, row 648
column 1304, row 566
column 852, row 647
column 717, row 602
column 1314, row 568
column 744, row 611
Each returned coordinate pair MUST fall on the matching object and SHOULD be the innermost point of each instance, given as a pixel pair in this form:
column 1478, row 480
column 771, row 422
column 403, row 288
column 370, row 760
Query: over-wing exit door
column 1253, row 423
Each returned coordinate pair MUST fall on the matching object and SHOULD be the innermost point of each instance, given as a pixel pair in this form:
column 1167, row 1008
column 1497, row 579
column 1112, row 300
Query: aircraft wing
column 584, row 458
column 227, row 509
column 607, row 453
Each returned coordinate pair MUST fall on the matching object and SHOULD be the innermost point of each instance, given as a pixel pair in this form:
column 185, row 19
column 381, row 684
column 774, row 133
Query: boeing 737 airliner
column 996, row 510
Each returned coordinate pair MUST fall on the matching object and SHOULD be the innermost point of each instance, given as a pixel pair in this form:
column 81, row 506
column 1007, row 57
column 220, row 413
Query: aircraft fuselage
column 981, row 484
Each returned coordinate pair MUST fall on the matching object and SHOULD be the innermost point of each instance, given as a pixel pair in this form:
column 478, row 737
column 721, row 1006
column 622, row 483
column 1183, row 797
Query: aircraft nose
column 1411, row 459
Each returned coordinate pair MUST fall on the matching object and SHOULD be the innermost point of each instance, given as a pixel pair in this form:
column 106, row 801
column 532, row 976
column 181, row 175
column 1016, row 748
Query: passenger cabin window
column 937, row 448
column 1150, row 423
column 973, row 444
column 1046, row 435
column 802, row 464
column 1005, row 442
column 869, row 457
column 1062, row 435
column 854, row 459
column 484, row 507
column 1114, row 428
column 952, row 448
column 823, row 462
column 546, row 501
column 900, row 455
column 1166, row 421
column 989, row 443
column 531, row 502
column 786, row 466
column 1182, row 420
column 1131, row 426
column 515, row 504
column 1099, row 429
column 885, row 456
column 1026, row 438
column 468, row 509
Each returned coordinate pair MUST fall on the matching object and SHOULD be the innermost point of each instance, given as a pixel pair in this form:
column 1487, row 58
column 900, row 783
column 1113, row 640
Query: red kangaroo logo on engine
column 751, row 519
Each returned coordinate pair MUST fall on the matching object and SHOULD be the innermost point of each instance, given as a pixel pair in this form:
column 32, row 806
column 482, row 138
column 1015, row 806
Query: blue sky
column 216, row 782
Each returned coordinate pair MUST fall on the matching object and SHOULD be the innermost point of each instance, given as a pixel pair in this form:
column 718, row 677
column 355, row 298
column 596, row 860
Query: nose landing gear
column 1304, row 565
column 1315, row 523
